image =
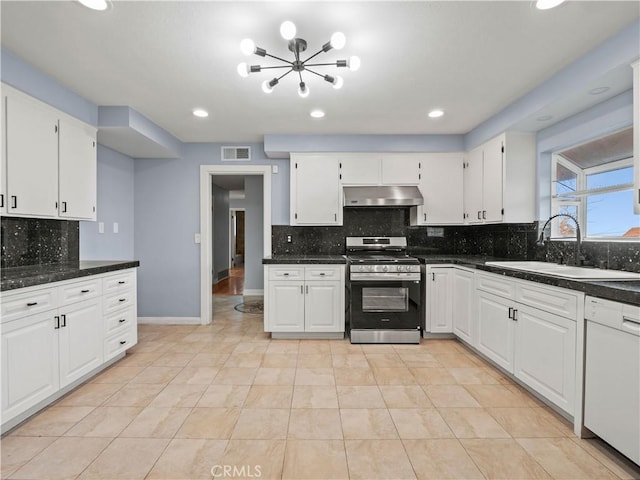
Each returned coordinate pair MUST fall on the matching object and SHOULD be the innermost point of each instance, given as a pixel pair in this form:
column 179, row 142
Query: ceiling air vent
column 236, row 154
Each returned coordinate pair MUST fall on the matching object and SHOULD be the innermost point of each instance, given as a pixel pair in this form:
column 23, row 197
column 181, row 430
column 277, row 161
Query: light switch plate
column 100, row 227
column 115, row 227
column 197, row 238
column 274, row 168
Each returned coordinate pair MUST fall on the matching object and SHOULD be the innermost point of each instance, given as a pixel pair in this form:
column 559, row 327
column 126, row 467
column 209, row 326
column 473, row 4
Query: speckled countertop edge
column 300, row 259
column 21, row 277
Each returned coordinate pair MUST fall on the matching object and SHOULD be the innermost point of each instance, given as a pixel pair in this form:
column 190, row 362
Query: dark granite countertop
column 20, row 277
column 620, row 291
column 301, row 259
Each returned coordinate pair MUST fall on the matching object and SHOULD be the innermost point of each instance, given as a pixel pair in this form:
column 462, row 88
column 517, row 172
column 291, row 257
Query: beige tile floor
column 188, row 399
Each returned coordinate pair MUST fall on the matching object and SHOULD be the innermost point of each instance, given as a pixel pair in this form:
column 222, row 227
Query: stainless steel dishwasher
column 612, row 374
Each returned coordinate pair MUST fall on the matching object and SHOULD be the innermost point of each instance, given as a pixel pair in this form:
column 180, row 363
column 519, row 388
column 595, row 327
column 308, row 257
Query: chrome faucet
column 578, row 259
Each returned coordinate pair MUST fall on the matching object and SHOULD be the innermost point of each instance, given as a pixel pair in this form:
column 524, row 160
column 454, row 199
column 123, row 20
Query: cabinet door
column 636, row 136
column 439, row 302
column 77, row 175
column 3, row 156
column 545, row 355
column 492, row 180
column 29, row 362
column 322, row 309
column 473, row 186
column 286, row 306
column 401, row 169
column 316, row 191
column 441, row 186
column 32, row 158
column 81, row 340
column 364, row 170
column 495, row 329
column 463, row 292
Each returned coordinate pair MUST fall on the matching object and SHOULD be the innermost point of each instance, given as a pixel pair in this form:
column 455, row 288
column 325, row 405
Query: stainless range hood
column 383, row 196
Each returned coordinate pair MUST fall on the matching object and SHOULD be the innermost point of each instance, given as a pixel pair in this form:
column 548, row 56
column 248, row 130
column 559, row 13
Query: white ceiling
column 164, row 58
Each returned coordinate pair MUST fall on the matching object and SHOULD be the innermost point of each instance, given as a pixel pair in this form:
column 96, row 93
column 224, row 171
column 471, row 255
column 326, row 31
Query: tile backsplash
column 36, row 241
column 512, row 241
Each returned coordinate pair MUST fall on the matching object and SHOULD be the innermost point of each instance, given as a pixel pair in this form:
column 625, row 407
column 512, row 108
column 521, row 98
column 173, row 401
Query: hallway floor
column 232, row 285
column 188, row 399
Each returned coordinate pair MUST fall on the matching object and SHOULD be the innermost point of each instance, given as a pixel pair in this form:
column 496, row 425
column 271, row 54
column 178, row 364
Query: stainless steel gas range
column 384, row 291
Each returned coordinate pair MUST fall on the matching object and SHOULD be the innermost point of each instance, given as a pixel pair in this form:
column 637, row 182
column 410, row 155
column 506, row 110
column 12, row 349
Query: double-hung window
column 595, row 185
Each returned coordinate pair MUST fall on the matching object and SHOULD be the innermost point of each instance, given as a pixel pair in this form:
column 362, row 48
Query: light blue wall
column 115, row 204
column 167, row 212
column 253, row 238
column 220, row 233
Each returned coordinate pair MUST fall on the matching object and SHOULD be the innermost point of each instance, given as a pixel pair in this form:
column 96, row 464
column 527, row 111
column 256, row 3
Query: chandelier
column 297, row 46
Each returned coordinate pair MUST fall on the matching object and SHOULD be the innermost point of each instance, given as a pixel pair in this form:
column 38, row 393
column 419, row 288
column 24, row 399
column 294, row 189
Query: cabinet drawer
column 79, row 291
column 118, row 322
column 22, row 304
column 552, row 300
column 118, row 301
column 496, row 284
column 119, row 342
column 285, row 272
column 323, row 272
column 121, row 281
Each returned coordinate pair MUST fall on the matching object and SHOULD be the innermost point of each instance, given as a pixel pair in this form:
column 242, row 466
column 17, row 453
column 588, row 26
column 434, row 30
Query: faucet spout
column 578, row 250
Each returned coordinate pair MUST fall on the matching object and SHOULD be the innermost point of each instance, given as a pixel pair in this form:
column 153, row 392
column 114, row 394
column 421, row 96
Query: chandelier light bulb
column 338, row 40
column 547, row 4
column 288, row 30
column 303, row 90
column 338, row 82
column 243, row 69
column 266, row 88
column 247, row 46
column 353, row 63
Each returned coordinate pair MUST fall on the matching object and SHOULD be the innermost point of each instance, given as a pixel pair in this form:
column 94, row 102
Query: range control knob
column 385, row 268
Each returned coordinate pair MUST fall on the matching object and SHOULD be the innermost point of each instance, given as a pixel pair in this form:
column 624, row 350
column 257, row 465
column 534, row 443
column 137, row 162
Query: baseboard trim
column 252, row 292
column 170, row 320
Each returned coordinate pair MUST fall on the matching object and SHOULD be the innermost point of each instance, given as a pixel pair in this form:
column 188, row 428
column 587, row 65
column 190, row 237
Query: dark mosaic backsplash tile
column 512, row 241
column 35, row 241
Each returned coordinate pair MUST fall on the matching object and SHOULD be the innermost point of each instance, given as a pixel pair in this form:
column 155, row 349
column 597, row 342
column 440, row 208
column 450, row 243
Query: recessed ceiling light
column 598, row 90
column 96, row 4
column 544, row 118
column 200, row 113
column 317, row 113
column 435, row 113
column 547, row 4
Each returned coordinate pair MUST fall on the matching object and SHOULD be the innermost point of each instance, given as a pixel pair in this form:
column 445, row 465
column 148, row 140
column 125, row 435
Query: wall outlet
column 274, row 168
column 115, row 227
column 289, row 239
column 100, row 227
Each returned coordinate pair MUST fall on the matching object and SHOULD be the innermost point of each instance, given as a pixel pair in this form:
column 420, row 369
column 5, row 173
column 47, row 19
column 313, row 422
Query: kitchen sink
column 567, row 271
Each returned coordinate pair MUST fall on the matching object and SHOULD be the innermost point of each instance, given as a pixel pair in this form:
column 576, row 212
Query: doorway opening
column 232, row 246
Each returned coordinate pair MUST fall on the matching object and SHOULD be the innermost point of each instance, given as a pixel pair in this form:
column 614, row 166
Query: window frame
column 580, row 199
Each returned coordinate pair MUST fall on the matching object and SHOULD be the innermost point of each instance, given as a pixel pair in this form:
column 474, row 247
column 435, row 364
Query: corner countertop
column 616, row 290
column 301, row 259
column 20, row 277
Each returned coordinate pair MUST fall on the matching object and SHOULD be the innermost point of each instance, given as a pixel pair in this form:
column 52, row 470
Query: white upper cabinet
column 636, row 136
column 3, row 158
column 78, row 162
column 49, row 161
column 441, row 185
column 358, row 169
column 499, row 180
column 316, row 192
column 401, row 169
column 32, row 158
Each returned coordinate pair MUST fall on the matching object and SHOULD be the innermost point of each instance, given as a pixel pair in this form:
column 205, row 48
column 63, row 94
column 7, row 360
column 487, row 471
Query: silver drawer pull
column 122, row 300
column 122, row 320
column 286, row 274
column 322, row 274
column 631, row 320
column 85, row 291
column 31, row 304
column 121, row 282
column 122, row 342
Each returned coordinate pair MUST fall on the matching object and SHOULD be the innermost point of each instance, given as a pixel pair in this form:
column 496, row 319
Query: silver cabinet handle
column 479, row 215
column 307, row 289
column 484, row 214
column 301, row 290
column 510, row 314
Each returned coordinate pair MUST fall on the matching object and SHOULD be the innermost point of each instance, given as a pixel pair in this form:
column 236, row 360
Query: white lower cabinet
column 463, row 291
column 304, row 299
column 30, row 371
column 537, row 346
column 80, row 340
column 54, row 336
column 439, row 303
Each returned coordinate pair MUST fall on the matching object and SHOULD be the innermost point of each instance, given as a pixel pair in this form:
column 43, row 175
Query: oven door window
column 385, row 299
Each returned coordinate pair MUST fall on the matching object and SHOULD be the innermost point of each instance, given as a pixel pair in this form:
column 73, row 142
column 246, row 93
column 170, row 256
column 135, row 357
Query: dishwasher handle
column 631, row 325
